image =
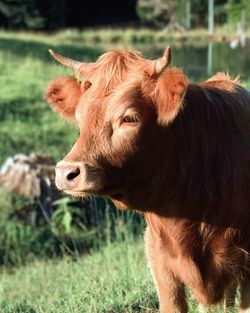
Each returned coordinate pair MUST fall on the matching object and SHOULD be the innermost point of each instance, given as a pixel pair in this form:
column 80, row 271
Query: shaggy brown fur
column 177, row 152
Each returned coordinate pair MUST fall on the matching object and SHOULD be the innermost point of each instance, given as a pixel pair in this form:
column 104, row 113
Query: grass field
column 114, row 280
column 26, row 69
column 111, row 280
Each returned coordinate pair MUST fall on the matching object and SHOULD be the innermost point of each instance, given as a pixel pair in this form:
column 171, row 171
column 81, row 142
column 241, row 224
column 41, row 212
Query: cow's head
column 123, row 105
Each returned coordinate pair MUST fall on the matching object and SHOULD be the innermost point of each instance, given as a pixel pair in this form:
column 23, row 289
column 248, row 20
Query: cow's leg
column 245, row 296
column 171, row 291
column 171, row 294
column 229, row 300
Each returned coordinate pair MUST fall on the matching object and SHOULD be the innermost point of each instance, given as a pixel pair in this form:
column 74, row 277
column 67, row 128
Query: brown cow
column 177, row 152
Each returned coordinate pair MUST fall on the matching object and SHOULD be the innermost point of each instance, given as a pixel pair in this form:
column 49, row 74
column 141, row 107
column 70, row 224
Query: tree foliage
column 161, row 12
column 20, row 14
column 235, row 9
column 58, row 14
column 55, row 13
column 155, row 12
column 33, row 14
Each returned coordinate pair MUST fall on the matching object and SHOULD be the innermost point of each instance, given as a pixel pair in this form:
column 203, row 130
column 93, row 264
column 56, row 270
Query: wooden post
column 211, row 16
column 188, row 14
column 209, row 58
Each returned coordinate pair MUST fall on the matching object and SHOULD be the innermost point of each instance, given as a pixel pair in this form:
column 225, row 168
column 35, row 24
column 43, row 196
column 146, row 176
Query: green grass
column 26, row 121
column 114, row 280
column 129, row 36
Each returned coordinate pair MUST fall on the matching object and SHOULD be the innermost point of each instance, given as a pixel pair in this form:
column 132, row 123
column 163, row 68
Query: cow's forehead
column 113, row 69
column 110, row 93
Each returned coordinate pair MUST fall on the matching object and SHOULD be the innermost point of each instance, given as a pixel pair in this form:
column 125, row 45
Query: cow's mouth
column 78, row 193
column 90, row 192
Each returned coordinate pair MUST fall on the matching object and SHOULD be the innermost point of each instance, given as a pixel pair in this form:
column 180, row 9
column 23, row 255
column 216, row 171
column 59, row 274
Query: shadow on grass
column 150, row 305
column 22, row 109
column 39, row 50
column 18, row 308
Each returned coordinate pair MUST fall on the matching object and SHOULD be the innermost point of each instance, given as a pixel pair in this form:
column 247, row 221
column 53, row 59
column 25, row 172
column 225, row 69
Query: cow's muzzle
column 71, row 176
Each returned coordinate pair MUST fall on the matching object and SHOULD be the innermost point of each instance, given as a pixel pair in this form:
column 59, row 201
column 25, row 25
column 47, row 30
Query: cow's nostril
column 73, row 174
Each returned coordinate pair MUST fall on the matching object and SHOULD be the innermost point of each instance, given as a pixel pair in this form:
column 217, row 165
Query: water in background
column 201, row 61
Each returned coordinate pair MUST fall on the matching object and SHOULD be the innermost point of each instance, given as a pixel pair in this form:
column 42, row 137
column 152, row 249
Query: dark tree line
column 58, row 14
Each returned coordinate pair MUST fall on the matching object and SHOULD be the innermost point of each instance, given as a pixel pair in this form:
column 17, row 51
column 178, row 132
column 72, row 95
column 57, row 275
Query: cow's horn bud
column 163, row 62
column 73, row 64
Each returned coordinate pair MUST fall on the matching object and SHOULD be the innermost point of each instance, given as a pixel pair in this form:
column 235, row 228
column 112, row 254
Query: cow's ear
column 165, row 87
column 63, row 94
column 168, row 94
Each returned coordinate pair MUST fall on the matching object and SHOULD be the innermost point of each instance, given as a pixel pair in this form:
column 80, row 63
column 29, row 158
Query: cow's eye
column 130, row 119
column 86, row 84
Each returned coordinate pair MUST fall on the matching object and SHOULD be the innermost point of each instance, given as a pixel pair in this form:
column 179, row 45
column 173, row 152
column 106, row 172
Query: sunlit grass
column 125, row 35
column 113, row 280
column 116, row 279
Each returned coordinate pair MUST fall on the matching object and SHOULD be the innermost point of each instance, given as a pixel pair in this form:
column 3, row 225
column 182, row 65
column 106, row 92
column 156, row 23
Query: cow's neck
column 192, row 165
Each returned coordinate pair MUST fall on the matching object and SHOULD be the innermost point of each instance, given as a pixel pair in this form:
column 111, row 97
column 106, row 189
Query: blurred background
column 59, row 254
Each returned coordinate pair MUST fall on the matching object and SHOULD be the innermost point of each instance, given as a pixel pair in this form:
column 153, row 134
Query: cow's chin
column 93, row 192
column 77, row 193
column 117, row 199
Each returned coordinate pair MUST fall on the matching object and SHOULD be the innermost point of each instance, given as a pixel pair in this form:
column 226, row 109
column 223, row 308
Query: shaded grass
column 28, row 233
